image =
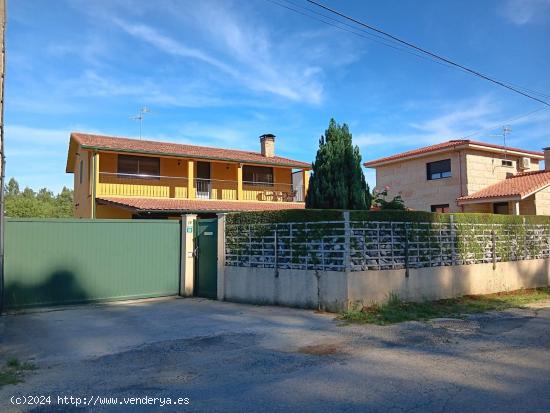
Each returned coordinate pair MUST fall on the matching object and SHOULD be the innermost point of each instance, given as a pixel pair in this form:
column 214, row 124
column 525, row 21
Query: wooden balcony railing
column 152, row 186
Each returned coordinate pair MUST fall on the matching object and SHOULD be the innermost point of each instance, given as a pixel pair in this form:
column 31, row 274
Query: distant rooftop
column 452, row 145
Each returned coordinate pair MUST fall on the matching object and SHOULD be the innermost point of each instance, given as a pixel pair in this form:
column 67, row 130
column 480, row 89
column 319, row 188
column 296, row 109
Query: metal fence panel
column 56, row 261
column 372, row 245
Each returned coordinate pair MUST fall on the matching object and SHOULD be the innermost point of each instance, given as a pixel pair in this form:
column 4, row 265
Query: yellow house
column 468, row 176
column 118, row 177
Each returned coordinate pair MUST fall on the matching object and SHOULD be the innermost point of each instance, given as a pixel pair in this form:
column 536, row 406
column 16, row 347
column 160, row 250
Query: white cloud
column 241, row 49
column 456, row 121
column 169, row 45
column 477, row 120
column 521, row 12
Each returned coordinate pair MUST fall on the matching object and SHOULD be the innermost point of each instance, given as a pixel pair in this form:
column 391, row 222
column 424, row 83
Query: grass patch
column 396, row 311
column 13, row 371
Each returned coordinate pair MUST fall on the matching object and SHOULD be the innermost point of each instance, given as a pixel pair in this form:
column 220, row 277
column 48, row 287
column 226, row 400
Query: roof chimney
column 267, row 142
column 547, row 159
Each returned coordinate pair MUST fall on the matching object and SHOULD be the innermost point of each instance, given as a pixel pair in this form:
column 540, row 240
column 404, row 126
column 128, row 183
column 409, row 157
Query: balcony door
column 203, row 180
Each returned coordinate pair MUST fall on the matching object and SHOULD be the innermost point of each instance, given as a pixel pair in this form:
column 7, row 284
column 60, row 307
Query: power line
column 506, row 121
column 431, row 54
column 381, row 40
column 363, row 33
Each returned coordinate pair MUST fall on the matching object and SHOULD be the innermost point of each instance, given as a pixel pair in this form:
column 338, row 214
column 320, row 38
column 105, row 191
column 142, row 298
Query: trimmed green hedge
column 287, row 215
column 316, row 215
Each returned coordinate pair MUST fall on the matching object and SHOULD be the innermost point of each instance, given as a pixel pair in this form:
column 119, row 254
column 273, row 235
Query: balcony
column 179, row 187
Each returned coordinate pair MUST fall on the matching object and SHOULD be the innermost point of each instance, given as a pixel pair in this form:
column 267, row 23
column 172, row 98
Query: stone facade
column 471, row 170
column 409, row 179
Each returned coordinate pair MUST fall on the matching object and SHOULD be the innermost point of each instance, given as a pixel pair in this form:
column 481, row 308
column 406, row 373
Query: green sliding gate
column 206, row 257
column 56, row 261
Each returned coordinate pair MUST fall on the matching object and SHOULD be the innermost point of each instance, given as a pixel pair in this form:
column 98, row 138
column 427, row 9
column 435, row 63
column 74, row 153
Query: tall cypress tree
column 337, row 180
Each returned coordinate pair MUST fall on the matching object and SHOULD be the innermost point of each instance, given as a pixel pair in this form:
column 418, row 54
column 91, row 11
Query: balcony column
column 95, row 182
column 240, row 182
column 305, row 183
column 190, row 179
column 515, row 207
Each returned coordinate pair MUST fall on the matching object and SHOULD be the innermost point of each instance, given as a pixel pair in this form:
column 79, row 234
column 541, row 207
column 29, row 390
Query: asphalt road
column 228, row 357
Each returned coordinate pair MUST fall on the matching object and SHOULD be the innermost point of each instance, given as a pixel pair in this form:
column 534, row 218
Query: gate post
column 187, row 264
column 221, row 257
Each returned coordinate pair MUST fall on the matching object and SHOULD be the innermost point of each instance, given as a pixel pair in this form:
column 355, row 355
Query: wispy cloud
column 454, row 121
column 481, row 119
column 169, row 45
column 521, row 12
column 239, row 48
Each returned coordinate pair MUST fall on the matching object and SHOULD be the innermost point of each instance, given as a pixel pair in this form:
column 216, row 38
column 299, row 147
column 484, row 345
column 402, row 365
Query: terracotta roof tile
column 452, row 144
column 517, row 186
column 197, row 205
column 114, row 143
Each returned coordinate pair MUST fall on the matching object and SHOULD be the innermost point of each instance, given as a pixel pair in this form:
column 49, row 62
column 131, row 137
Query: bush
column 316, row 215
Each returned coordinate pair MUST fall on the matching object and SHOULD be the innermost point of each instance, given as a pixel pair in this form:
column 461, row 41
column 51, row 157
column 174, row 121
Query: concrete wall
column 446, row 282
column 337, row 291
column 326, row 290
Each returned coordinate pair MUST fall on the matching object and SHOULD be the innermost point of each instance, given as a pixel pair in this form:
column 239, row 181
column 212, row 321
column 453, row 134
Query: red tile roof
column 197, row 205
column 450, row 145
column 516, row 187
column 120, row 144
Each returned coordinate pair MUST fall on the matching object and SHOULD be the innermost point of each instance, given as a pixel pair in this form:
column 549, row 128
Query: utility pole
column 2, row 154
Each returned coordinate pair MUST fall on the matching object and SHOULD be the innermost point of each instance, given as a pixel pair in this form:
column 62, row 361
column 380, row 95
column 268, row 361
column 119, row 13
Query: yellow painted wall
column 224, row 184
column 281, row 190
column 223, row 175
column 112, row 212
column 172, row 184
column 82, row 192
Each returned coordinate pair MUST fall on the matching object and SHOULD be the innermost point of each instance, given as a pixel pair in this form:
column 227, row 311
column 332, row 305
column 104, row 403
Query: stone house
column 468, row 176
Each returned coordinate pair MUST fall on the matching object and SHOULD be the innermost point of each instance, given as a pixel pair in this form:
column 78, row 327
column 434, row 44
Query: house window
column 81, row 171
column 257, row 175
column 507, row 163
column 441, row 208
column 500, row 208
column 439, row 169
column 138, row 167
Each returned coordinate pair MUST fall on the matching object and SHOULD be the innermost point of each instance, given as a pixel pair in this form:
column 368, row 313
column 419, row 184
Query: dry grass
column 396, row 311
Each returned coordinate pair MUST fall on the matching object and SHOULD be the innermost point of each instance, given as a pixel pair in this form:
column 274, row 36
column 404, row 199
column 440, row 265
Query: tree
column 396, row 203
column 368, row 197
column 44, row 204
column 337, row 180
column 12, row 188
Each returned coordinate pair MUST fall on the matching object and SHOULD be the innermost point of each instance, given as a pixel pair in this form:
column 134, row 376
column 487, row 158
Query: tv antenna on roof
column 140, row 116
column 506, row 129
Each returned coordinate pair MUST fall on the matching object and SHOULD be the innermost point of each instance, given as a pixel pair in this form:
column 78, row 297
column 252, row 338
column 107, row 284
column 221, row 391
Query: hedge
column 316, row 215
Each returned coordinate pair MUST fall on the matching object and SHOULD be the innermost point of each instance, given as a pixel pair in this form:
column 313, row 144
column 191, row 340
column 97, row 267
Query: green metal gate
column 206, row 257
column 56, row 261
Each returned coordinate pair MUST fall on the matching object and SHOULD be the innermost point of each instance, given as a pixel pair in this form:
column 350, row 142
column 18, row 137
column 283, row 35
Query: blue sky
column 220, row 73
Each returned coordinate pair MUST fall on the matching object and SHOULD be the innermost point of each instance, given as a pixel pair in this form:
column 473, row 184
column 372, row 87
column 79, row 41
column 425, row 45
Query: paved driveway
column 228, row 357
